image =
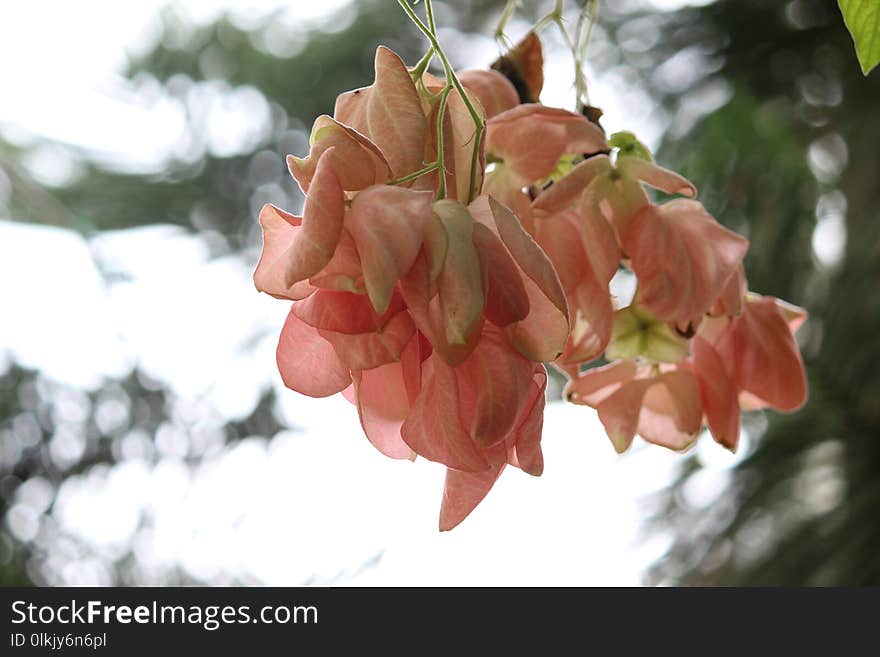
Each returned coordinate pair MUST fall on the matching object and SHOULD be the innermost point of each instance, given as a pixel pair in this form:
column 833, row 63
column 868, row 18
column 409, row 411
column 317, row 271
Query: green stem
column 578, row 44
column 429, row 12
column 415, row 174
column 441, row 162
column 594, row 14
column 500, row 37
column 580, row 83
column 422, row 65
column 592, row 9
column 554, row 16
column 479, row 123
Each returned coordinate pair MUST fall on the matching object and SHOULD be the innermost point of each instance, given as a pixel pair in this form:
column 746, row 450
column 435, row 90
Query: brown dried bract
column 524, row 67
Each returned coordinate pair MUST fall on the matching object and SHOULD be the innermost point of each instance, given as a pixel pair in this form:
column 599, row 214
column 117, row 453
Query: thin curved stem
column 451, row 77
column 433, row 166
column 594, row 14
column 578, row 44
column 429, row 12
column 583, row 40
column 441, row 163
column 509, row 9
column 551, row 17
column 422, row 65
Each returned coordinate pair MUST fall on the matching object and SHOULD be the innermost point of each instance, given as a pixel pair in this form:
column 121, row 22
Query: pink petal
column 414, row 354
column 460, row 282
column 672, row 412
column 389, row 112
column 584, row 248
column 621, row 201
column 463, row 491
column 356, row 161
column 794, row 315
column 559, row 236
column 279, row 233
column 531, row 138
column 598, row 383
column 717, row 392
column 344, row 312
column 382, row 407
column 493, row 385
column 460, row 137
column 732, row 297
column 598, row 237
column 682, row 258
column 506, row 186
column 427, row 312
column 307, row 362
column 436, row 244
column 433, row 428
column 527, row 146
column 364, row 351
column 494, row 91
column 767, row 361
column 387, row 224
column 321, row 225
column 565, row 192
column 656, row 176
column 620, row 412
column 506, row 297
column 593, row 322
column 344, row 271
column 542, row 335
column 527, row 439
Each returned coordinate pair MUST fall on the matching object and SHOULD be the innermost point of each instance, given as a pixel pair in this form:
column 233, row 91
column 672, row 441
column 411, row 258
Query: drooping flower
column 578, row 220
column 434, row 317
column 662, row 405
column 682, row 258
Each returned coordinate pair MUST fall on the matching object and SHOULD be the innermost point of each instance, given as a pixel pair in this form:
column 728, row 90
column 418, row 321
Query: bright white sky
column 318, row 502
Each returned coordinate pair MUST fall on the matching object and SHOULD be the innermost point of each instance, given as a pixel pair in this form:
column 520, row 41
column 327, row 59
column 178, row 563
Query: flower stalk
column 452, row 81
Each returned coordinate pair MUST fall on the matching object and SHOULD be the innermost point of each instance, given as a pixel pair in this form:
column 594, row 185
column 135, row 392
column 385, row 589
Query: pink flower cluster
column 435, row 316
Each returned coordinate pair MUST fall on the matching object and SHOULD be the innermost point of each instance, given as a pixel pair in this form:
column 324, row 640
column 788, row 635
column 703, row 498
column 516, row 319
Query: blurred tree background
column 764, row 108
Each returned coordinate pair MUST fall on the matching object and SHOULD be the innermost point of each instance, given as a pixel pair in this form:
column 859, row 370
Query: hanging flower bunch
column 457, row 235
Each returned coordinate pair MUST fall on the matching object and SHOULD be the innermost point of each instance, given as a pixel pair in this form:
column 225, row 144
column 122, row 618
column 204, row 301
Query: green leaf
column 629, row 146
column 862, row 18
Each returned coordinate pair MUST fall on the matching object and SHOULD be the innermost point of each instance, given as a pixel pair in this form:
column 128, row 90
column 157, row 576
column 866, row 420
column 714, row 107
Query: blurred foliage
column 53, row 435
column 220, row 191
column 795, row 146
